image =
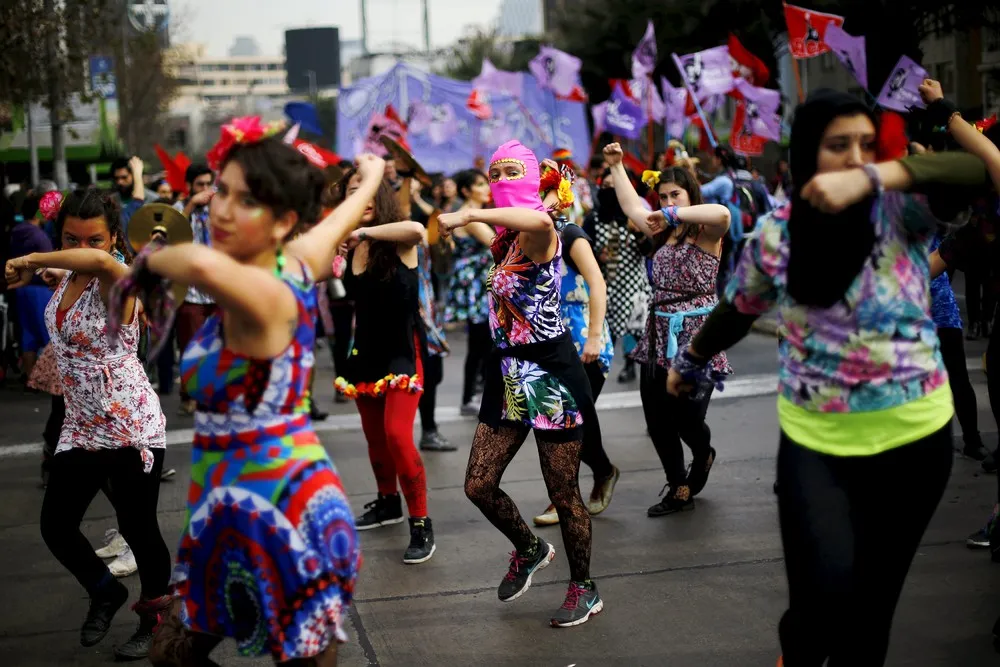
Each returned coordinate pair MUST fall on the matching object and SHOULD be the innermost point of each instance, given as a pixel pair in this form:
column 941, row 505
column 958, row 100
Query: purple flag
column 644, row 92
column 556, row 70
column 438, row 121
column 760, row 110
column 599, row 113
column 674, row 108
column 644, row 56
column 900, row 91
column 493, row 80
column 623, row 116
column 708, row 72
column 850, row 50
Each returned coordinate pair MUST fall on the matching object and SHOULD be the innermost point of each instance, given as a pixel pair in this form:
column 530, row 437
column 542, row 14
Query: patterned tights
column 492, row 452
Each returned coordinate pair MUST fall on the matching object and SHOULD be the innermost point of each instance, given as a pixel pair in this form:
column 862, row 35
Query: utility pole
column 364, row 27
column 427, row 28
column 32, row 148
column 57, row 100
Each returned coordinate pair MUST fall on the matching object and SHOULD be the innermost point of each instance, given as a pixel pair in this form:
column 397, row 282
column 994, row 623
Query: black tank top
column 386, row 313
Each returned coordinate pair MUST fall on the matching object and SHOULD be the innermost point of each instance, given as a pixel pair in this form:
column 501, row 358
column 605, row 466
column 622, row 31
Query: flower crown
column 243, row 130
column 560, row 180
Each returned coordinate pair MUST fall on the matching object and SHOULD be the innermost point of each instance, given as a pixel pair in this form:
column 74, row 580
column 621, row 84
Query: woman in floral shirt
column 114, row 427
column 864, row 403
column 534, row 381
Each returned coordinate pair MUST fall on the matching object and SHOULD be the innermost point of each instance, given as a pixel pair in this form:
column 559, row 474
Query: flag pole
column 650, row 130
column 694, row 98
column 798, row 77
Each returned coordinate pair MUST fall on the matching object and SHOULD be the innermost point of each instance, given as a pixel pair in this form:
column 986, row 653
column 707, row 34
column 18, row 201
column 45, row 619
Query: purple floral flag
column 437, row 121
column 900, row 91
column 599, row 113
column 623, row 116
column 674, row 108
column 645, row 94
column 760, row 110
column 708, row 72
column 493, row 80
column 850, row 51
column 556, row 70
column 644, row 56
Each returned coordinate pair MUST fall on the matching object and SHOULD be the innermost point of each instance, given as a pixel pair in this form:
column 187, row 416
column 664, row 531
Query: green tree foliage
column 466, row 60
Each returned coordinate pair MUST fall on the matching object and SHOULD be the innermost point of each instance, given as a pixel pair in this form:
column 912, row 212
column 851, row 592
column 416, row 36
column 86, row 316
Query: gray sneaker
column 582, row 602
column 522, row 568
column 432, row 441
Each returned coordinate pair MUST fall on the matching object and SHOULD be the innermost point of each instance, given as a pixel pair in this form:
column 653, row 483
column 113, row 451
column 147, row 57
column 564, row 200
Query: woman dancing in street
column 688, row 235
column 583, row 304
column 864, row 403
column 269, row 553
column 466, row 296
column 534, row 381
column 113, row 430
column 384, row 369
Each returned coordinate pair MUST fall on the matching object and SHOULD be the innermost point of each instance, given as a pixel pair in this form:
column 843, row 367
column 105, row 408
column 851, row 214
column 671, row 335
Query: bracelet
column 876, row 178
column 670, row 215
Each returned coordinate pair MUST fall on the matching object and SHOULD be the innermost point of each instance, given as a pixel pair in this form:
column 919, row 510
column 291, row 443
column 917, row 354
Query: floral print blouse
column 109, row 401
column 875, row 349
column 523, row 309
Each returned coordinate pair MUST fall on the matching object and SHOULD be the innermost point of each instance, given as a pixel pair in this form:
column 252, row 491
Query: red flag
column 743, row 142
column 478, row 103
column 320, row 157
column 806, row 29
column 175, row 171
column 633, row 163
column 578, row 94
column 746, row 65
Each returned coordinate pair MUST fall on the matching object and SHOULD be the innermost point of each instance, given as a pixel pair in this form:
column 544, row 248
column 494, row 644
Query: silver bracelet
column 876, row 179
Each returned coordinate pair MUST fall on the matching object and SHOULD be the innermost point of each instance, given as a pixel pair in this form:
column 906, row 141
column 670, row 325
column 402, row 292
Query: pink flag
column 556, row 70
column 708, row 72
column 644, row 56
column 760, row 116
column 850, row 51
column 674, row 106
column 493, row 80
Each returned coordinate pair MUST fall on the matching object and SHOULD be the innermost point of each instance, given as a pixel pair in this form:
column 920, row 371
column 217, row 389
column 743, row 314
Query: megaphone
column 168, row 224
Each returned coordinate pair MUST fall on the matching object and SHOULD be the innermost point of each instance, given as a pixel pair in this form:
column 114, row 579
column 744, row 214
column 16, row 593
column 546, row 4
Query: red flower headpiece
column 244, row 130
column 48, row 206
column 986, row 123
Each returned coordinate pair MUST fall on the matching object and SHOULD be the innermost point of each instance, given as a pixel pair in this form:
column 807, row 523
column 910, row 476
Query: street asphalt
column 700, row 589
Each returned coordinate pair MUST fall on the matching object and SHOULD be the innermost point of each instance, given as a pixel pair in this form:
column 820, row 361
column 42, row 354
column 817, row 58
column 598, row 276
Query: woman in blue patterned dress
column 269, row 553
column 534, row 381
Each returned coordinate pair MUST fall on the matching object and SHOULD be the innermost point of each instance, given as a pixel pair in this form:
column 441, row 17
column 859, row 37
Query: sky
column 217, row 22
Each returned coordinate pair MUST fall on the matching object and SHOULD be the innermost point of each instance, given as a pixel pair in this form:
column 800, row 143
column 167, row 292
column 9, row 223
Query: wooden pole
column 650, row 129
column 798, row 78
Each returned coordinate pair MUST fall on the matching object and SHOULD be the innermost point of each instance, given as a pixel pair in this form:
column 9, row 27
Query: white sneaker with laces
column 124, row 565
column 114, row 544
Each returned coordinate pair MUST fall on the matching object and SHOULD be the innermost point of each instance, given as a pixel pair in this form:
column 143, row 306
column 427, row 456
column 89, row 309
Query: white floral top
column 109, row 401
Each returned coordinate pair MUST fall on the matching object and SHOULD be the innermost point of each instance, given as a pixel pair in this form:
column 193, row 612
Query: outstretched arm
column 630, row 201
column 319, row 245
column 81, row 260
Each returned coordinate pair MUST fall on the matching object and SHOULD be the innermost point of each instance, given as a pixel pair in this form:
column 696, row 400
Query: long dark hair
column 383, row 256
column 683, row 178
column 281, row 178
column 826, row 252
column 89, row 203
column 465, row 179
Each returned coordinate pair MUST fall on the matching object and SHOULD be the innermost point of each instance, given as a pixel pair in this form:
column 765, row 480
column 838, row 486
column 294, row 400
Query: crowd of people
column 552, row 270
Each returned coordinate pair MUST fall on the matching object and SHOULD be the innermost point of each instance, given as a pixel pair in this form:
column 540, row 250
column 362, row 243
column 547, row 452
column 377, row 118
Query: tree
column 604, row 34
column 146, row 85
column 466, row 60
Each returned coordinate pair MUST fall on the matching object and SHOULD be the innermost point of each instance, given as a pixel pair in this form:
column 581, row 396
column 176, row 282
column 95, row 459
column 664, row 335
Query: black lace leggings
column 492, row 452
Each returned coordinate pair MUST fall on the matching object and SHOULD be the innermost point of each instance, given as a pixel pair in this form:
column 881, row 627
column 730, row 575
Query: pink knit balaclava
column 520, row 192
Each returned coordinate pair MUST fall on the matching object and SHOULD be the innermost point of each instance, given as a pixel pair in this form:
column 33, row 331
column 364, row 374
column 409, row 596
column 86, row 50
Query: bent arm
column 518, row 219
column 81, row 260
column 630, row 201
column 586, row 263
column 251, row 293
column 714, row 218
column 976, row 143
column 724, row 327
column 406, row 232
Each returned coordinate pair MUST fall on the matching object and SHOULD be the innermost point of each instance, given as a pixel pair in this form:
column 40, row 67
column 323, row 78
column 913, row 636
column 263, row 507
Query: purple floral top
column 875, row 349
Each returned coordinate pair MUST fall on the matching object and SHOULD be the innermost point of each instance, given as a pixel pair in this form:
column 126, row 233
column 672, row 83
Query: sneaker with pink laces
column 582, row 602
column 522, row 567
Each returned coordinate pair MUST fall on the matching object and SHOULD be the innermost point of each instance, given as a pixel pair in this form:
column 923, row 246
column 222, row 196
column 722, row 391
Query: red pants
column 388, row 425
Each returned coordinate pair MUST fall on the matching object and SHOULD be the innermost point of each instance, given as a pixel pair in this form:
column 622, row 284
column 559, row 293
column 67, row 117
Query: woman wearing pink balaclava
column 534, row 381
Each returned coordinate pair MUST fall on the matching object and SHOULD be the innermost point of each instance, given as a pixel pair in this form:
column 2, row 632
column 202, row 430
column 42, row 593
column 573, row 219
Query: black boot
column 150, row 612
column 104, row 604
column 382, row 511
column 422, row 545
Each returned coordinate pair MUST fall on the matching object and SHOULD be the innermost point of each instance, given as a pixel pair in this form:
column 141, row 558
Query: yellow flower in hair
column 651, row 178
column 565, row 194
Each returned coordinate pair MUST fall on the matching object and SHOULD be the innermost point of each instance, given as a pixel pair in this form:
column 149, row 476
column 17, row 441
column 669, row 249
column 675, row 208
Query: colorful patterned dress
column 574, row 302
column 524, row 309
column 467, row 287
column 269, row 554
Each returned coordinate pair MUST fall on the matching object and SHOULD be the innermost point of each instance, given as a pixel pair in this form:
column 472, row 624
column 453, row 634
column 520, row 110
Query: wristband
column 940, row 113
column 697, row 372
column 670, row 215
column 876, row 179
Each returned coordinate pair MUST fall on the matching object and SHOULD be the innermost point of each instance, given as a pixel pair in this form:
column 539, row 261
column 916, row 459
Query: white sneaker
column 124, row 565
column 114, row 544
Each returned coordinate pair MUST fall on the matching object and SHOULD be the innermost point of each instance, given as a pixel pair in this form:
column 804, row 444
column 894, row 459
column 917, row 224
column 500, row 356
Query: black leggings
column 592, row 452
column 492, row 452
column 480, row 345
column 433, row 373
column 76, row 477
column 979, row 297
column 671, row 420
column 850, row 526
column 953, row 353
